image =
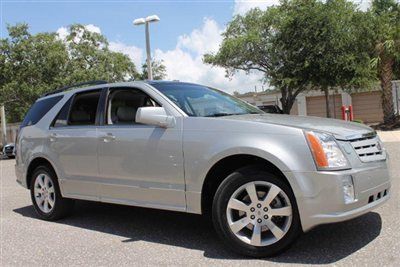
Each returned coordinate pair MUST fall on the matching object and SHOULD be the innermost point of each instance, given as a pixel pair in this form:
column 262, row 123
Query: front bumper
column 321, row 196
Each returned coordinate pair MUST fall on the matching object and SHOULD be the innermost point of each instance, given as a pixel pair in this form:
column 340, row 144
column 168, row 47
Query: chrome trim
column 369, row 149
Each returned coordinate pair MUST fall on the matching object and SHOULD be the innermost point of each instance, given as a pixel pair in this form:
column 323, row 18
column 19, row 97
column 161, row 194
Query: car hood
column 340, row 129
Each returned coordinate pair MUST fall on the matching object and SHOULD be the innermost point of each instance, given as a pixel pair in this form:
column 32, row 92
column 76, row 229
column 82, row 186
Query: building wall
column 396, row 96
column 366, row 105
column 316, row 106
column 12, row 131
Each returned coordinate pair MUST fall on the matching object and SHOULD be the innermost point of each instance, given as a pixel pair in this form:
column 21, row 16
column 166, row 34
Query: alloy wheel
column 44, row 193
column 259, row 213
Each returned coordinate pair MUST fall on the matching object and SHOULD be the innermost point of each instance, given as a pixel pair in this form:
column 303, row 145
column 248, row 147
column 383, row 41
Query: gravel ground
column 103, row 235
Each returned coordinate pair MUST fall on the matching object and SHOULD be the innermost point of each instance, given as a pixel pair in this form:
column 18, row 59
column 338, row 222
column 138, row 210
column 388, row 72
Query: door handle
column 53, row 137
column 108, row 138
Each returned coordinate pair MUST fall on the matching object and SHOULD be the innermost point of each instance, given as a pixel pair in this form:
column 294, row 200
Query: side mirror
column 154, row 116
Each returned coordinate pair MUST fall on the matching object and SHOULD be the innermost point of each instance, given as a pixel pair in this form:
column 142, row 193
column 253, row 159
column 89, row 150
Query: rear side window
column 84, row 108
column 39, row 109
column 62, row 117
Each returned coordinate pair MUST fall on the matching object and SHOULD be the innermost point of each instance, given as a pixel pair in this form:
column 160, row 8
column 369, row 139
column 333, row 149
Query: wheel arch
column 223, row 167
column 36, row 162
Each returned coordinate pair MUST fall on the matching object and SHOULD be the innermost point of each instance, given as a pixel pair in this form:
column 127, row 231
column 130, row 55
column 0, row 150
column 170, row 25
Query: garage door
column 316, row 106
column 367, row 106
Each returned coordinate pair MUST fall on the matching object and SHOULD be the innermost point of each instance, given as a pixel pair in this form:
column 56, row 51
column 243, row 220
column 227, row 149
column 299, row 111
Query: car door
column 139, row 164
column 73, row 145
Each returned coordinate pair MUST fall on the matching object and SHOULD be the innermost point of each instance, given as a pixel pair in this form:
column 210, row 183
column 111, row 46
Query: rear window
column 39, row 109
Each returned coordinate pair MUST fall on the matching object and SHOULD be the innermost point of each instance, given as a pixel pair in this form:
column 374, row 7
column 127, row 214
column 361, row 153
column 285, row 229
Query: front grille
column 369, row 149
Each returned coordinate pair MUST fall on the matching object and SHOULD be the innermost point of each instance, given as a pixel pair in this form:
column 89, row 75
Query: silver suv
column 262, row 178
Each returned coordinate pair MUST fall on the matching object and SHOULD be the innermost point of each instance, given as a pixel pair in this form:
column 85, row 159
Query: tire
column 247, row 241
column 60, row 207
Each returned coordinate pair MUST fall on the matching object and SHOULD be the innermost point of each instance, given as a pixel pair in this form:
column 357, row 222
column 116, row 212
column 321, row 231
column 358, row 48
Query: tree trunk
column 287, row 100
column 327, row 102
column 386, row 76
column 287, row 107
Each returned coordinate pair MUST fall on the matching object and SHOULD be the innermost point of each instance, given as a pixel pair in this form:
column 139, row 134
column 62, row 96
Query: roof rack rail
column 65, row 88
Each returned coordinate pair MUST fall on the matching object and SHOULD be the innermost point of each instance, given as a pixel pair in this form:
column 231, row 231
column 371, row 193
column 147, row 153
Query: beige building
column 11, row 135
column 367, row 105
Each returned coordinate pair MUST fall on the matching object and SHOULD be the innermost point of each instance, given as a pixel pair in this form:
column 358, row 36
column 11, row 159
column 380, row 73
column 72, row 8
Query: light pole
column 147, row 21
column 3, row 125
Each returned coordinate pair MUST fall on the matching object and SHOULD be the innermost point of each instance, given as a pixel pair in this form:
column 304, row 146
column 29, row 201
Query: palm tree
column 386, row 15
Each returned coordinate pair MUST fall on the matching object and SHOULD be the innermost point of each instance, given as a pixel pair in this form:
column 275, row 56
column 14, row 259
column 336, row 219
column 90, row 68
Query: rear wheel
column 46, row 195
column 255, row 213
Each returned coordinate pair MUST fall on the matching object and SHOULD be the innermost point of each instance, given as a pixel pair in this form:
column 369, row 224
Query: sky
column 187, row 30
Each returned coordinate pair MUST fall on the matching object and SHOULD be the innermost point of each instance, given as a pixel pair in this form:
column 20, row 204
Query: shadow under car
column 322, row 245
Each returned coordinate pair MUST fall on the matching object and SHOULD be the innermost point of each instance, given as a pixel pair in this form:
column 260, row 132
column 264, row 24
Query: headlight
column 326, row 151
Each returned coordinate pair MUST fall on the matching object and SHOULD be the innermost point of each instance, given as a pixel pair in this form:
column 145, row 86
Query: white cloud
column 134, row 53
column 185, row 62
column 242, row 6
column 207, row 39
column 62, row 33
column 363, row 4
column 93, row 28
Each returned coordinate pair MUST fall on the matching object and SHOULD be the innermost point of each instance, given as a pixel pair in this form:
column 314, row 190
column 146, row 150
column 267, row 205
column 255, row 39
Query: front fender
column 287, row 150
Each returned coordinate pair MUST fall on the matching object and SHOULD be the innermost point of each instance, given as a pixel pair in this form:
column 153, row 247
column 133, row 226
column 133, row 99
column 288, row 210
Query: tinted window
column 62, row 117
column 201, row 101
column 39, row 109
column 84, row 108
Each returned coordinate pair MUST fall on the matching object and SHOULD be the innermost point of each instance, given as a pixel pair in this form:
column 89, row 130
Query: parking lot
column 102, row 234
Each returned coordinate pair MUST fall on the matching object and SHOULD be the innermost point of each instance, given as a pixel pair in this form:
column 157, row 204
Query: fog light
column 348, row 189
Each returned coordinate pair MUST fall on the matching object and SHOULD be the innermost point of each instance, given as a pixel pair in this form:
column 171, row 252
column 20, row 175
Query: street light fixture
column 147, row 21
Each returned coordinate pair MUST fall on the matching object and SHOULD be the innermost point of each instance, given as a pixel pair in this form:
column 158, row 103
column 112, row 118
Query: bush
column 358, row 121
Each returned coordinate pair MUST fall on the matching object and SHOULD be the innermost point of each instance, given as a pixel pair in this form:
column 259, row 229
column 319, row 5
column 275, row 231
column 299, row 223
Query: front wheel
column 255, row 213
column 46, row 195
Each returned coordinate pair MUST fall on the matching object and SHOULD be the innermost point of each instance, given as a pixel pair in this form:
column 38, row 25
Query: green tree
column 250, row 43
column 329, row 37
column 91, row 59
column 159, row 70
column 298, row 45
column 31, row 65
column 386, row 47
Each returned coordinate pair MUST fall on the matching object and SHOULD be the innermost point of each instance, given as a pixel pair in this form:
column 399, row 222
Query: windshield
column 201, row 101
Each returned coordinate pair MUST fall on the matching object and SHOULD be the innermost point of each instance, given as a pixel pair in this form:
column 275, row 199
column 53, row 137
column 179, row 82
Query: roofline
column 93, row 87
column 72, row 90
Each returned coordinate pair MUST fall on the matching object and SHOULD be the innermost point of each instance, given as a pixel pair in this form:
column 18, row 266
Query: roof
column 101, row 84
column 154, row 82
